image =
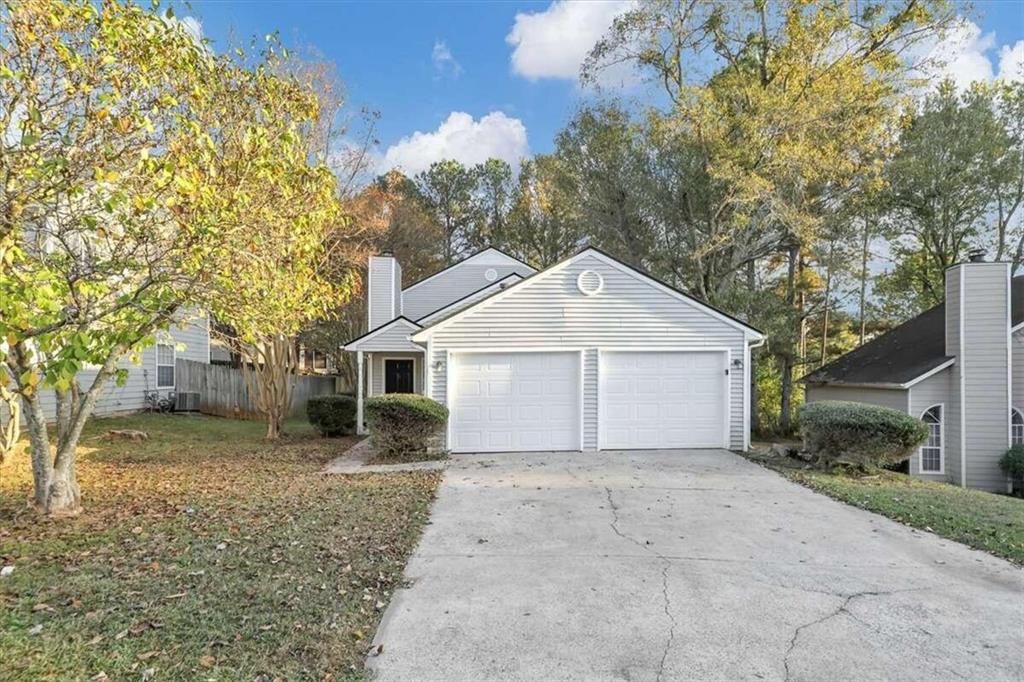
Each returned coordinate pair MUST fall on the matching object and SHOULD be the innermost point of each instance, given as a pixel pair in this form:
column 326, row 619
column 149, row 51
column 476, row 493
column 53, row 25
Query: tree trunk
column 864, row 281
column 786, row 388
column 39, row 439
column 825, row 316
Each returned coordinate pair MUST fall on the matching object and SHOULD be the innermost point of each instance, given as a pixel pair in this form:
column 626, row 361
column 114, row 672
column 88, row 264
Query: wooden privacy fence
column 222, row 390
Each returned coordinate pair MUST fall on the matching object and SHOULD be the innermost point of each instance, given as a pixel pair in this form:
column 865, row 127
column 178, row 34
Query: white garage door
column 505, row 402
column 662, row 400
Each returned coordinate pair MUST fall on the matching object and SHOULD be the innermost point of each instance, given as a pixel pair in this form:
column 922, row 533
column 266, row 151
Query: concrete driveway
column 670, row 565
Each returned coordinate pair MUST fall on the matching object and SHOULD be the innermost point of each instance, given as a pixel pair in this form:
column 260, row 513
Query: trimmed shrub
column 405, row 426
column 840, row 432
column 332, row 415
column 1012, row 464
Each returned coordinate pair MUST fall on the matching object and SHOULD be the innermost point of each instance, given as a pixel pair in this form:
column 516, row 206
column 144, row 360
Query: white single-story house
column 589, row 354
column 958, row 366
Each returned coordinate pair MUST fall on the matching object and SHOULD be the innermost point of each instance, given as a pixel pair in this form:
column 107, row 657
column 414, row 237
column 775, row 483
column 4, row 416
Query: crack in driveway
column 841, row 610
column 666, row 563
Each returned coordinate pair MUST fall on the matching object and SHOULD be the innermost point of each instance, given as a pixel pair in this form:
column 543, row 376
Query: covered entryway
column 663, row 399
column 515, row 401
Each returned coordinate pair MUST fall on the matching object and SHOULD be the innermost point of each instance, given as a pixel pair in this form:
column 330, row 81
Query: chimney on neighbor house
column 383, row 290
column 978, row 322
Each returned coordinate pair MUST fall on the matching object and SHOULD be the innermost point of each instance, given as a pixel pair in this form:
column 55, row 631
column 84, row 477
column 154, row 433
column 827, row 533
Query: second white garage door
column 505, row 402
column 662, row 400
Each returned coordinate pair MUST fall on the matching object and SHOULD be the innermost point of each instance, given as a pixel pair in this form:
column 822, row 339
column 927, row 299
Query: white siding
column 1018, row 370
column 376, row 373
column 935, row 390
column 985, row 359
column 549, row 311
column 469, row 300
column 392, row 338
column 380, row 292
column 192, row 341
column 456, row 282
column 893, row 398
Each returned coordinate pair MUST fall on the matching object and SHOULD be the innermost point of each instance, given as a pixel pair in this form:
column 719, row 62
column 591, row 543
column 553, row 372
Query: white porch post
column 360, row 428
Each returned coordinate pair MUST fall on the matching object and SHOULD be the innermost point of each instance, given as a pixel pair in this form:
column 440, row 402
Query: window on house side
column 931, row 451
column 164, row 365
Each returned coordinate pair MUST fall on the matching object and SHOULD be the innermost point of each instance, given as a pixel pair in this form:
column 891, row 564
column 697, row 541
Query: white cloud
column 966, row 55
column 1011, row 62
column 554, row 43
column 445, row 63
column 462, row 138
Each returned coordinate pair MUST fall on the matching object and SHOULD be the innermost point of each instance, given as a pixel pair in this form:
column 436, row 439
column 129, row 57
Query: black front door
column 398, row 376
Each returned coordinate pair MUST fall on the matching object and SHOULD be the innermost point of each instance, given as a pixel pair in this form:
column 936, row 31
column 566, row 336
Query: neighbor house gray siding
column 935, row 390
column 550, row 312
column 456, row 282
column 376, row 371
column 894, row 398
column 192, row 342
column 1017, row 356
column 984, row 357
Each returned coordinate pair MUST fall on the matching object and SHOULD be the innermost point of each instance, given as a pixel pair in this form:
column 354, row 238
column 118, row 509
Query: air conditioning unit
column 186, row 402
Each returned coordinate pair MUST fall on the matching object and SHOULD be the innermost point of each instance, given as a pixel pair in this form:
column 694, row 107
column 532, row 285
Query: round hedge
column 837, row 431
column 404, row 426
column 332, row 415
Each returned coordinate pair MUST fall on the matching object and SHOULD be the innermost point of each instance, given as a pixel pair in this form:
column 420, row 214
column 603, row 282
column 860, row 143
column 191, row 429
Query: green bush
column 840, row 432
column 405, row 426
column 332, row 415
column 1012, row 464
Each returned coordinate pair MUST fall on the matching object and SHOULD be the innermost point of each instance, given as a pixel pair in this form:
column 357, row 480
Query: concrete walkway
column 675, row 565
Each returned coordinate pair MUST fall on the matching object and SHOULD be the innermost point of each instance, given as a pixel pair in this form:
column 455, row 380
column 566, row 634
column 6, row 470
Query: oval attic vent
column 589, row 283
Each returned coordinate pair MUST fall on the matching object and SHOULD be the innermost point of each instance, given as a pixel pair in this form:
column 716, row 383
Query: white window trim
column 157, row 365
column 942, row 442
column 1021, row 413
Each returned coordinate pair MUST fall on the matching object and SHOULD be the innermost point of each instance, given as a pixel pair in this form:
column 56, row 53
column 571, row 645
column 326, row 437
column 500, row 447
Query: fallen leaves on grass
column 204, row 548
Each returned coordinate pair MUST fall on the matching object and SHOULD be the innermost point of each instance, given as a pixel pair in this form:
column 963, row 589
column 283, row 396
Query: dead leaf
column 207, row 661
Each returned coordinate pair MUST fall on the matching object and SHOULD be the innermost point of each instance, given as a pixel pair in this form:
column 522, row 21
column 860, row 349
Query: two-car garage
column 534, row 400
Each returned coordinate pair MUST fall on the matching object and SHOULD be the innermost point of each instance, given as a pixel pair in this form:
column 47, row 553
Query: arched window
column 931, row 451
column 1016, row 427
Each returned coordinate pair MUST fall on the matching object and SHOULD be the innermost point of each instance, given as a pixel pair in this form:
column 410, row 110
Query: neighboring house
column 155, row 371
column 958, row 366
column 589, row 354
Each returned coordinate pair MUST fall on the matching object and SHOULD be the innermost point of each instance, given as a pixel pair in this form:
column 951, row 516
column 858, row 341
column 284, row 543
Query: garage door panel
column 531, row 401
column 662, row 399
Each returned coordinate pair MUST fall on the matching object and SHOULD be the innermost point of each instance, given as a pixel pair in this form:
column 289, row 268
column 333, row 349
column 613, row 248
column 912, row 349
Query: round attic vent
column 491, row 274
column 589, row 283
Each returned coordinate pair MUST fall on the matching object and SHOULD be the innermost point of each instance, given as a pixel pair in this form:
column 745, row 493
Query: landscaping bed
column 204, row 552
column 986, row 521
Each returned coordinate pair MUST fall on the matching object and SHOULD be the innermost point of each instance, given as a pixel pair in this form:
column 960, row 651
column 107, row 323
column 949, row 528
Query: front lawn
column 203, row 553
column 986, row 521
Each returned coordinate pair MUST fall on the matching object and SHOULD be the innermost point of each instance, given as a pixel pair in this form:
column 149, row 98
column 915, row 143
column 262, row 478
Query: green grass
column 986, row 521
column 203, row 553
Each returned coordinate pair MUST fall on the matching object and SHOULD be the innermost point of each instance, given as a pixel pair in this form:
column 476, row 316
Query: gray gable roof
column 907, row 352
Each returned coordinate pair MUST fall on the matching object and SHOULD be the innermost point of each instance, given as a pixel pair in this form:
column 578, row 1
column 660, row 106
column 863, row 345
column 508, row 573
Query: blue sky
column 471, row 79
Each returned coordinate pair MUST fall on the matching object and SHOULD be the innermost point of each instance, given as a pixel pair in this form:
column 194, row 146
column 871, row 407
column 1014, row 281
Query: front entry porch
column 382, row 372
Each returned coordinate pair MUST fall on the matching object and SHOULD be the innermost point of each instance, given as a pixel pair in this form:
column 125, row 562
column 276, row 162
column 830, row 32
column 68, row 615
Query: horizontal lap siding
column 192, row 342
column 894, row 398
column 1018, row 370
column 453, row 284
column 380, row 292
column 395, row 338
column 935, row 390
column 985, row 350
column 550, row 311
